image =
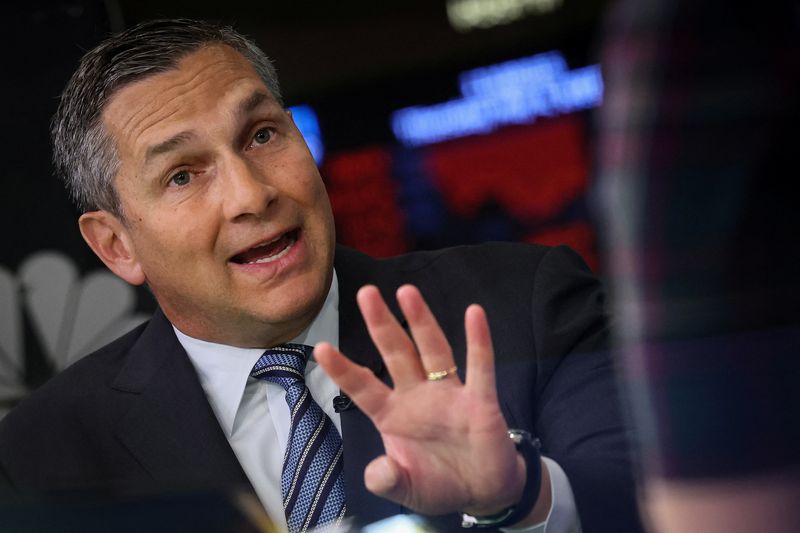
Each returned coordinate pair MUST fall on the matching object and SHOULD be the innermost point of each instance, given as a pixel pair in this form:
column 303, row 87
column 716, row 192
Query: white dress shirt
column 255, row 417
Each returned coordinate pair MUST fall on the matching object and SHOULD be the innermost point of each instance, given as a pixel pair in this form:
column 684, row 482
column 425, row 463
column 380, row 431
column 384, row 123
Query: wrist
column 507, row 496
column 529, row 469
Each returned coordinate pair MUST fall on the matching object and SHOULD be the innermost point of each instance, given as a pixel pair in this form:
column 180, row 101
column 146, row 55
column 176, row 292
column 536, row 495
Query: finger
column 480, row 354
column 397, row 350
column 385, row 478
column 433, row 347
column 358, row 382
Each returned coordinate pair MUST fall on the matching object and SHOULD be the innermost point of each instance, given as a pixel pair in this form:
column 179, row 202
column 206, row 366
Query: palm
column 445, row 441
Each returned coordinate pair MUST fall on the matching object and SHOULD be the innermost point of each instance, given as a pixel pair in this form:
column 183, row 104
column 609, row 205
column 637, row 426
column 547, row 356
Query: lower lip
column 288, row 259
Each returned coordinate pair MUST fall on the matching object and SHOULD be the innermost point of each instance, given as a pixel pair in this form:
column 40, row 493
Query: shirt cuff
column 563, row 515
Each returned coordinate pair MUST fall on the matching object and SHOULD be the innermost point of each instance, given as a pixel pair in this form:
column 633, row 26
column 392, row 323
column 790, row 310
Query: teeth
column 272, row 257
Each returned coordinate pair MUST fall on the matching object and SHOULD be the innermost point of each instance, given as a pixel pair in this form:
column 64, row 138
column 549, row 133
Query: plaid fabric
column 697, row 169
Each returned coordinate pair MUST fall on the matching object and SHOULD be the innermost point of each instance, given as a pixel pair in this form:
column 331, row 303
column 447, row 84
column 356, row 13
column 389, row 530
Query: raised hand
column 446, row 443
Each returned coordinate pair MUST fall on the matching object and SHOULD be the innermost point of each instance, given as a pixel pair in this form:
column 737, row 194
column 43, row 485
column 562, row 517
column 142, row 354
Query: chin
column 294, row 309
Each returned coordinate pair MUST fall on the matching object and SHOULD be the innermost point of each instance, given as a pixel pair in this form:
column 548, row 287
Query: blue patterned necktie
column 312, row 481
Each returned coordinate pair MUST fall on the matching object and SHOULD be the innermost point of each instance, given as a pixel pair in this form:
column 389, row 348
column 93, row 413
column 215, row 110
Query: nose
column 246, row 190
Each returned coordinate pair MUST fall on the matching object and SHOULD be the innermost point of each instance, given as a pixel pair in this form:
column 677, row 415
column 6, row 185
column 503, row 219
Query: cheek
column 312, row 189
column 175, row 238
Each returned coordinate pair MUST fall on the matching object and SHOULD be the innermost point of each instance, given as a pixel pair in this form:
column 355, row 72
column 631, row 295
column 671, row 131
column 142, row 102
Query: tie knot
column 284, row 364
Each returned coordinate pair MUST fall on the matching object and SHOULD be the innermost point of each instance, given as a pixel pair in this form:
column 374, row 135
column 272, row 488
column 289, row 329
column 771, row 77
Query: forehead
column 205, row 82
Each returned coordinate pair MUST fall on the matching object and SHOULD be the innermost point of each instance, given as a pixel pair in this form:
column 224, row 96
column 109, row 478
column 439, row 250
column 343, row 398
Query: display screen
column 507, row 159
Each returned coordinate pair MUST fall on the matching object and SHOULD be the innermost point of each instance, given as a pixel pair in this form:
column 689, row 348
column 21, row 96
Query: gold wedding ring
column 441, row 374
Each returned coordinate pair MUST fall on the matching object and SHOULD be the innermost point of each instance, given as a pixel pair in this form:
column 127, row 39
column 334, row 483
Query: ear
column 108, row 237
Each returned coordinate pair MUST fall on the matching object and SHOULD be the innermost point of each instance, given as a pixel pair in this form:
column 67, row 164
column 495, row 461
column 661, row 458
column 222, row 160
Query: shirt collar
column 223, row 370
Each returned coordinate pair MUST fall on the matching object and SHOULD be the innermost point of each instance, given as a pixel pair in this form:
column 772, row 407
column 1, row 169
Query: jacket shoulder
column 494, row 263
column 473, row 254
column 77, row 384
column 490, row 252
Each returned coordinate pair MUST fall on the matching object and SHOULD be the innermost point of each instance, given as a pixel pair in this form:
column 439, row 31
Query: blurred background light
column 512, row 92
column 466, row 15
column 306, row 121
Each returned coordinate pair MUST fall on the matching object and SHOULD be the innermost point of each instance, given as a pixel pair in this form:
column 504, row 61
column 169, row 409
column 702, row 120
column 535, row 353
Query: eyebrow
column 246, row 106
column 252, row 102
column 167, row 146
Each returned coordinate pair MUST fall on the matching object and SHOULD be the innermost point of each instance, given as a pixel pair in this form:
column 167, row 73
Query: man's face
column 226, row 216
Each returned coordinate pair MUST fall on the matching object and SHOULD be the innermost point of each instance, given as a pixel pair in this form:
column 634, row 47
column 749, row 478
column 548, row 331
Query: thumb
column 384, row 477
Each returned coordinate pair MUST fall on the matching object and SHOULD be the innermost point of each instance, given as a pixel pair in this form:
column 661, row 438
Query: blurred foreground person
column 698, row 160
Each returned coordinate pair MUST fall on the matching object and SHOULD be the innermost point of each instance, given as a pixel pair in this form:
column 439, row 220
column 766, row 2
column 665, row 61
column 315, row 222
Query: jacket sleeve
column 578, row 411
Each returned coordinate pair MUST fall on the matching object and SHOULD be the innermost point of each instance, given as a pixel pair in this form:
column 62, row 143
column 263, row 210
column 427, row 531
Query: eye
column 262, row 136
column 180, row 178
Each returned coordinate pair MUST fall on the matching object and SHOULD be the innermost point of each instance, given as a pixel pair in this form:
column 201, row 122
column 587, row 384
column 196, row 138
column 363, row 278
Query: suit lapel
column 173, row 433
column 362, row 442
column 170, row 427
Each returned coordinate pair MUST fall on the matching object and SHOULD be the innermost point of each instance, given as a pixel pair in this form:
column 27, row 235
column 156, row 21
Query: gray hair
column 83, row 152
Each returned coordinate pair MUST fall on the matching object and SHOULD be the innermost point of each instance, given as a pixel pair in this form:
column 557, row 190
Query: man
column 194, row 180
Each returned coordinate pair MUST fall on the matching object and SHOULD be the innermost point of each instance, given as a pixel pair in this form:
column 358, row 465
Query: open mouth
column 266, row 252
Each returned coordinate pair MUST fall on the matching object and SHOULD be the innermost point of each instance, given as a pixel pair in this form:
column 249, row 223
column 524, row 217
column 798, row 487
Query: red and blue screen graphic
column 505, row 161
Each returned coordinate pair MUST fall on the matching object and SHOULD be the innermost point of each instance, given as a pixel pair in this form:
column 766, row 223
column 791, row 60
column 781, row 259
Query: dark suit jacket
column 133, row 415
